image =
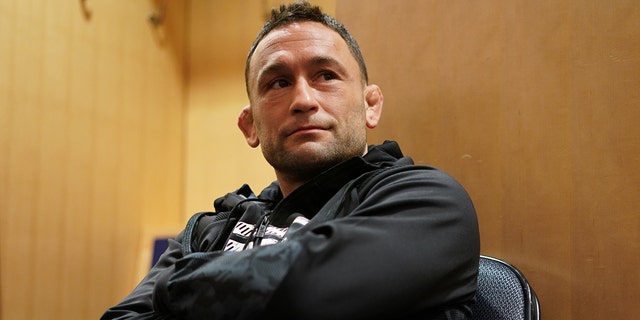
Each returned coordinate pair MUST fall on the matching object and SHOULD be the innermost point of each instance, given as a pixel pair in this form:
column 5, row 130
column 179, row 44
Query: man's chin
column 313, row 153
column 311, row 147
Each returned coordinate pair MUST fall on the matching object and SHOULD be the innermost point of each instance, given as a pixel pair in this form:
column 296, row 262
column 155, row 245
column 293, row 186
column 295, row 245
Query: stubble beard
column 309, row 161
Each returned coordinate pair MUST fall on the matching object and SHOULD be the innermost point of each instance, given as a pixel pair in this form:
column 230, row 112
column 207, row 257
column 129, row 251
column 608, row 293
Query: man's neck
column 288, row 183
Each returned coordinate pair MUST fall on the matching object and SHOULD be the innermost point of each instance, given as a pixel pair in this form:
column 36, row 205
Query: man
column 348, row 231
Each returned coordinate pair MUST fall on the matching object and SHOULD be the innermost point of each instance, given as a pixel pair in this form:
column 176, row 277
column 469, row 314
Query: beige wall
column 217, row 158
column 535, row 107
column 91, row 149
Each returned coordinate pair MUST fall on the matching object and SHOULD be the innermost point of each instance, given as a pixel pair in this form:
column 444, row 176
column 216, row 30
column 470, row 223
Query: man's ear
column 374, row 101
column 246, row 125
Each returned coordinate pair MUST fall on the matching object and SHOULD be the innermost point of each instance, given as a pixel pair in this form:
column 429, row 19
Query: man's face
column 309, row 105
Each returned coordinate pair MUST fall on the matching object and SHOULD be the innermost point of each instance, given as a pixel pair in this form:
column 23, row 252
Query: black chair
column 160, row 245
column 503, row 293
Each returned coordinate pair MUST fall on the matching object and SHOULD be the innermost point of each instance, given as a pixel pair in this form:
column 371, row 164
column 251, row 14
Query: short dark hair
column 304, row 11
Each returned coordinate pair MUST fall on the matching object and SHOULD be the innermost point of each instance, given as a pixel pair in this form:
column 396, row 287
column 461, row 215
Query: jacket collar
column 309, row 198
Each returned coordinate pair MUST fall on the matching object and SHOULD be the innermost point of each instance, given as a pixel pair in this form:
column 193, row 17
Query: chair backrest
column 503, row 293
column 160, row 245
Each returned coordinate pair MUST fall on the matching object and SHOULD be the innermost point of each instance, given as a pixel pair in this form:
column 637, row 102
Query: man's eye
column 279, row 84
column 328, row 76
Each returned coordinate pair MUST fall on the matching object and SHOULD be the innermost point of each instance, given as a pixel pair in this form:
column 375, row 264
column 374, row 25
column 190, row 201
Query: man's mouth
column 306, row 129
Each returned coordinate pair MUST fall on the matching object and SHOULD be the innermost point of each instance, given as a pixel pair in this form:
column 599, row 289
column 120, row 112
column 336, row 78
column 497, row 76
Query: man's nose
column 304, row 98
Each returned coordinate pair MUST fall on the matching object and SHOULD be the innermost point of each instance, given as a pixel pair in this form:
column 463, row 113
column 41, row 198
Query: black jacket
column 385, row 239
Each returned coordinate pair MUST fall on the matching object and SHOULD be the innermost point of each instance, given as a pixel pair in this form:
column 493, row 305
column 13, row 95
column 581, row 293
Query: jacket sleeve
column 139, row 304
column 408, row 244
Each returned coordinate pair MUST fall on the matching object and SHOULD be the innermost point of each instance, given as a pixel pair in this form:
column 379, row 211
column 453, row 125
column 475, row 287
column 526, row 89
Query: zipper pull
column 262, row 230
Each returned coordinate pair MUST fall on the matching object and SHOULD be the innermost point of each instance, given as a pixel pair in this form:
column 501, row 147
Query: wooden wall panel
column 534, row 107
column 91, row 111
column 605, row 101
column 217, row 158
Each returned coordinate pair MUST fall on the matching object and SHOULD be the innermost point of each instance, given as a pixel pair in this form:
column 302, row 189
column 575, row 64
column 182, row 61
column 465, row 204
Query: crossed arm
column 409, row 245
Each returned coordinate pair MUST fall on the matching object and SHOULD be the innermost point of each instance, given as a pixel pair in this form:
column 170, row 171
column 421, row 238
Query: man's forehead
column 295, row 33
column 299, row 29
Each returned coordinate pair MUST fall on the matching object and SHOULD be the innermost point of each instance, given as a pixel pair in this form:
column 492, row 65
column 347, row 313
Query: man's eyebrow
column 279, row 67
column 326, row 60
